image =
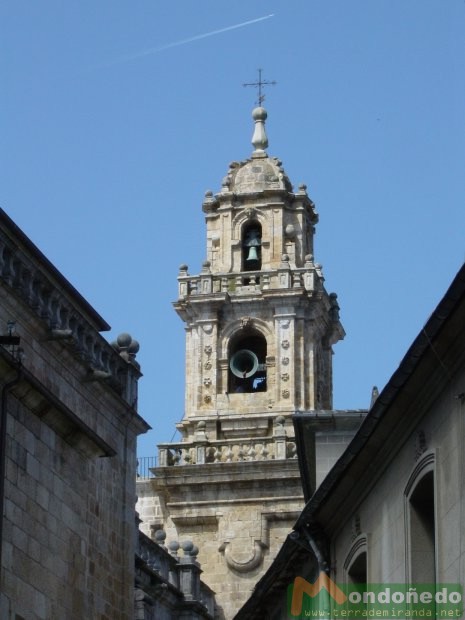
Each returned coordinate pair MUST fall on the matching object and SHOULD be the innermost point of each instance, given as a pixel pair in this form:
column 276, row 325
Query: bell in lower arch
column 253, row 255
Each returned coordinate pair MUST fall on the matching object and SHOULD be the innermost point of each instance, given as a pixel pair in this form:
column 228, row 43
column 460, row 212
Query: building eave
column 421, row 346
column 340, row 478
column 21, row 239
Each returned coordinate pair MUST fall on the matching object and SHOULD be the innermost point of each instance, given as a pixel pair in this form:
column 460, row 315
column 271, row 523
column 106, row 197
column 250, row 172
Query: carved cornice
column 66, row 316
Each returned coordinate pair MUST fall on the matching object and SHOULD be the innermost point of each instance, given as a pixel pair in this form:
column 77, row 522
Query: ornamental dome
column 261, row 172
column 257, row 175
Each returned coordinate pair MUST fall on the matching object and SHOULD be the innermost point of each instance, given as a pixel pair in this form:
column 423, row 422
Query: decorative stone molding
column 422, row 467
column 420, row 444
column 248, row 565
column 68, row 318
column 246, row 321
column 236, row 283
column 358, row 547
column 356, row 527
column 277, row 447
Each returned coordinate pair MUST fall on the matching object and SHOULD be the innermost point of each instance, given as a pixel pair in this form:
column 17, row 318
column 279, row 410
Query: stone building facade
column 260, row 327
column 391, row 509
column 69, row 425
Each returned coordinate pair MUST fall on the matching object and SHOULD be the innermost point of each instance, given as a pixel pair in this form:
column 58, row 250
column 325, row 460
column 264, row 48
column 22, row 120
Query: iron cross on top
column 260, row 84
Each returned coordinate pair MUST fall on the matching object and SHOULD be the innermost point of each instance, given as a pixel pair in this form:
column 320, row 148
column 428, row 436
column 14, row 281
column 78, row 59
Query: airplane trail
column 155, row 50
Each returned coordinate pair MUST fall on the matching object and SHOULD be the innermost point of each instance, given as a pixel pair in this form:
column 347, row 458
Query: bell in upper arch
column 253, row 255
column 251, row 248
column 252, row 238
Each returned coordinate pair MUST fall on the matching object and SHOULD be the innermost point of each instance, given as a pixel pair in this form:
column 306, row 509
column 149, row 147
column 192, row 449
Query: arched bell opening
column 252, row 247
column 247, row 364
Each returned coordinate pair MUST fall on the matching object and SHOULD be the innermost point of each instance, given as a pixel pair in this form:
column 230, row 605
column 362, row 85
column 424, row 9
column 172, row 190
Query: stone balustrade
column 161, row 568
column 158, row 559
column 308, row 277
column 67, row 317
column 226, row 451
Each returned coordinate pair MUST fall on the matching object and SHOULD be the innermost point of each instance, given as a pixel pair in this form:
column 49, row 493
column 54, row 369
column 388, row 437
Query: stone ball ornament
column 259, row 114
column 290, row 231
column 124, row 340
column 127, row 347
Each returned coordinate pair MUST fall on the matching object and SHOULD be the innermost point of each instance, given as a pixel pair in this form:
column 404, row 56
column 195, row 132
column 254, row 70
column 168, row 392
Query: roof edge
column 406, row 368
column 99, row 323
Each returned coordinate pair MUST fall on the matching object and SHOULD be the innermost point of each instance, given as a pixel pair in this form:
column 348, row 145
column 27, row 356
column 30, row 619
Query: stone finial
column 160, row 537
column 210, row 203
column 173, row 547
column 259, row 139
column 334, row 307
column 189, row 549
column 374, row 395
column 290, row 231
column 127, row 347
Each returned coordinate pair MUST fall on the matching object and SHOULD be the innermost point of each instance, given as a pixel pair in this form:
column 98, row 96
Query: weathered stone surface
column 68, row 530
column 259, row 333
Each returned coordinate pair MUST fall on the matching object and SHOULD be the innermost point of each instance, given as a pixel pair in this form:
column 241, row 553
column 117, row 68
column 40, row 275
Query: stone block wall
column 70, row 425
column 66, row 526
column 238, row 514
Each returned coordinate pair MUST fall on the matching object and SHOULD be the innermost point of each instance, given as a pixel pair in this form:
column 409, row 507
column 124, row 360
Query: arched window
column 357, row 572
column 355, row 566
column 252, row 247
column 247, row 363
column 421, row 523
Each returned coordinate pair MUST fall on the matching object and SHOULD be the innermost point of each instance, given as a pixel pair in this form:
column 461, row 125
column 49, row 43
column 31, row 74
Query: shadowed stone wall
column 69, row 423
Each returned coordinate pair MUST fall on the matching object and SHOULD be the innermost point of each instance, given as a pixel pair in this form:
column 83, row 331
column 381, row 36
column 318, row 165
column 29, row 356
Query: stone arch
column 246, row 216
column 356, row 562
column 242, row 323
column 423, row 466
column 247, row 353
column 243, row 351
column 421, row 521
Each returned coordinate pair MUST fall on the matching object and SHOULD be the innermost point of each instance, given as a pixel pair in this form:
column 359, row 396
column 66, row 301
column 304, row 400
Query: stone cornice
column 20, row 246
column 64, row 313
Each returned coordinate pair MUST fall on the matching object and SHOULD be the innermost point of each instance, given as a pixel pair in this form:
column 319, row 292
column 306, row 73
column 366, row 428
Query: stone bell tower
column 259, row 333
column 260, row 325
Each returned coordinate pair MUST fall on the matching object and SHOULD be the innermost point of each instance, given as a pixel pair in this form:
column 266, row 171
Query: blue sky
column 107, row 152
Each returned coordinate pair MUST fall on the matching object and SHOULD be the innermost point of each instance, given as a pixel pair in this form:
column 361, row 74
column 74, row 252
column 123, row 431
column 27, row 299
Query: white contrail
column 154, row 50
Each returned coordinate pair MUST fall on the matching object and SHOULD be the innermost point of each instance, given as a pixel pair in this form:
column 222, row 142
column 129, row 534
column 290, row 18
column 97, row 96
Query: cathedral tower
column 260, row 325
column 259, row 333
